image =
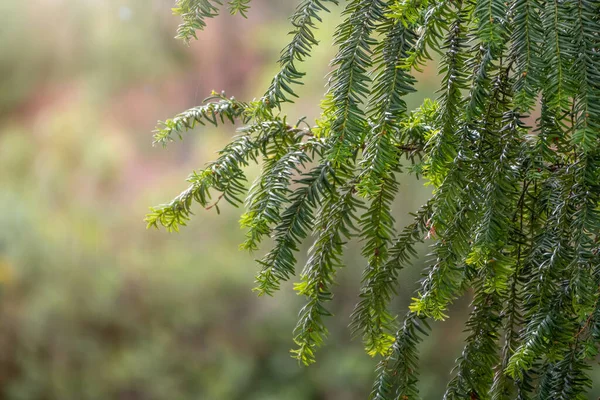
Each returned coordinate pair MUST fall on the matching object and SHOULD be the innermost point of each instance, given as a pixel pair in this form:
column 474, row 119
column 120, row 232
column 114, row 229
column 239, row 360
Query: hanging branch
column 514, row 215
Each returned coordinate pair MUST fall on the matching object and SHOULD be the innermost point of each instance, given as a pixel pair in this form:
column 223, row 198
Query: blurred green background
column 93, row 305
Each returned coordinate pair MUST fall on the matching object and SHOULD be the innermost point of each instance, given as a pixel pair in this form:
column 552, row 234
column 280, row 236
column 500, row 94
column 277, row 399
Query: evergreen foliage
column 514, row 213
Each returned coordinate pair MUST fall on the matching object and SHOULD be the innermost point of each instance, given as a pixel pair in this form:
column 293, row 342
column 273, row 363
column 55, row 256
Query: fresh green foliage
column 513, row 217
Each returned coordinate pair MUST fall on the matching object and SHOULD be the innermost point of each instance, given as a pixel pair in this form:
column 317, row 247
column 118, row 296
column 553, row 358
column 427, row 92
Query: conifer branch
column 515, row 211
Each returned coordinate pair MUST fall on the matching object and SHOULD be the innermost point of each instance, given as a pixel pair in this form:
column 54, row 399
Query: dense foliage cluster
column 510, row 148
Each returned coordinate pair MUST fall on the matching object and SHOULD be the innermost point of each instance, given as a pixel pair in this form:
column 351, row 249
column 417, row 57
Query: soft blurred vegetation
column 93, row 305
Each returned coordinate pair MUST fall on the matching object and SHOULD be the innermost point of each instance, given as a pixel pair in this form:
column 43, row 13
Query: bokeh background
column 93, row 305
